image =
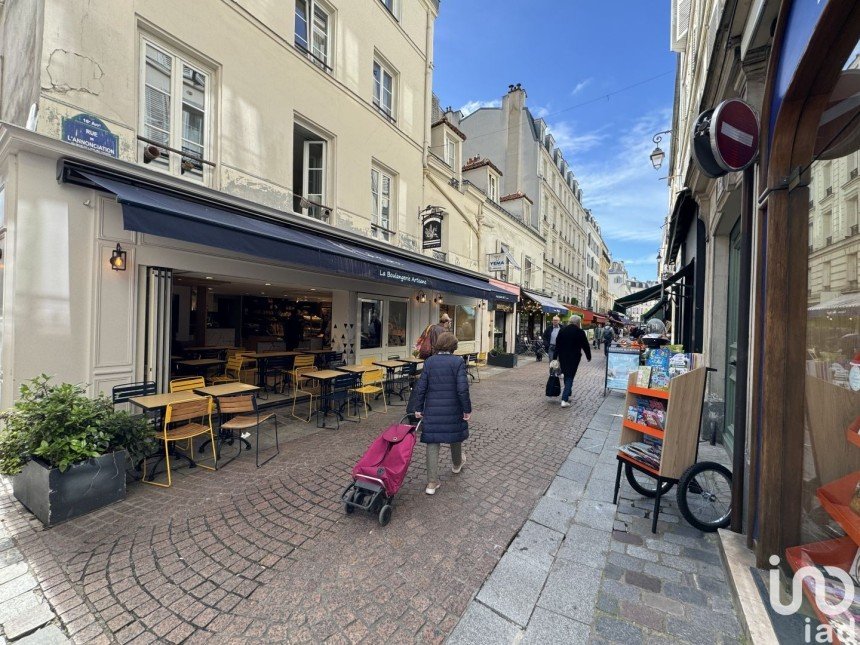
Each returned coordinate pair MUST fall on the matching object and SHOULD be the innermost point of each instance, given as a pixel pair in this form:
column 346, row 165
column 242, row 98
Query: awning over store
column 507, row 286
column 176, row 217
column 586, row 315
column 659, row 292
column 600, row 320
column 548, row 305
column 844, row 305
column 656, row 310
column 646, row 295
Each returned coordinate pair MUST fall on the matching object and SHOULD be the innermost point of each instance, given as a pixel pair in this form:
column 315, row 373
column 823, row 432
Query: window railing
column 314, row 58
column 853, row 173
column 854, row 230
column 378, row 229
column 828, row 191
column 185, row 154
column 829, row 241
column 387, row 114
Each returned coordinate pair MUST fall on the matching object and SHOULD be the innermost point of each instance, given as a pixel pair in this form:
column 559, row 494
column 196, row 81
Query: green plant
column 61, row 426
column 498, row 352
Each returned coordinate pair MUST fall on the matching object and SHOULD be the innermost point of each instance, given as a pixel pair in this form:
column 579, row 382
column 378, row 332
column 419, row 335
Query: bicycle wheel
column 644, row 485
column 705, row 496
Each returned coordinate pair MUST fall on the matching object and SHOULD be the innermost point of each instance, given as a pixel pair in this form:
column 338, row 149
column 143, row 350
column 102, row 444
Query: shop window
column 383, row 88
column 313, row 32
column 398, row 311
column 175, row 116
column 370, row 323
column 381, row 193
column 464, row 321
column 310, row 173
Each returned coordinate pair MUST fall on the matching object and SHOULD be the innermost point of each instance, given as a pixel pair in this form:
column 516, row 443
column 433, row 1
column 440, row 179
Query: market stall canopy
column 600, row 319
column 548, row 305
column 845, row 305
column 586, row 315
column 146, row 209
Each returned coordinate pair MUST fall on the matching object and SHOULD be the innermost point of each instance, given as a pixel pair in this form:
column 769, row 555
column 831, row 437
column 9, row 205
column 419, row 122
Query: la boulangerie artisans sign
column 431, row 227
column 402, row 277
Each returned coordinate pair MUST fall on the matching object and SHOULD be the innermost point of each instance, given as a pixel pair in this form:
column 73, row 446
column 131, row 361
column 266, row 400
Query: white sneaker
column 456, row 469
column 432, row 488
column 565, row 404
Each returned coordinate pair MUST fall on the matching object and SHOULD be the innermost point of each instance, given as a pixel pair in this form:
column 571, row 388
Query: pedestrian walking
column 570, row 345
column 550, row 334
column 441, row 399
column 608, row 337
column 444, row 325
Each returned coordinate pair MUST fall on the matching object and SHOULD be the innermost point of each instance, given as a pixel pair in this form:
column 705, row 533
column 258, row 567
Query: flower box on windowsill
column 502, row 360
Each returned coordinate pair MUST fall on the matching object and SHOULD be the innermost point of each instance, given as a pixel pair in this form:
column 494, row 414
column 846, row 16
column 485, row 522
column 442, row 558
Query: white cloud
column 471, row 106
column 573, row 143
column 540, row 111
column 581, row 86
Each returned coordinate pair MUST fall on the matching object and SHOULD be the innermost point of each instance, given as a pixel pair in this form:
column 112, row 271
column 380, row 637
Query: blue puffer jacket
column 442, row 394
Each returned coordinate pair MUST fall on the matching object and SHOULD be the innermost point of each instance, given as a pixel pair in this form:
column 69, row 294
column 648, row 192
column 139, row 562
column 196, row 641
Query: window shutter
column 680, row 24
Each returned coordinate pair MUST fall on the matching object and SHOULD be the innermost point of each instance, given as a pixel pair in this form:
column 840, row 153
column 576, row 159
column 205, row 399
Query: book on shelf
column 643, row 376
column 645, row 452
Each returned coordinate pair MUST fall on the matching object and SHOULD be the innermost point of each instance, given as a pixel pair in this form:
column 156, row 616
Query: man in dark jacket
column 550, row 334
column 569, row 346
column 441, row 400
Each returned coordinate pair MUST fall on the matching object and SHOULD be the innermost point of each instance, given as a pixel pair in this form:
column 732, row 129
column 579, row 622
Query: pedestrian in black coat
column 569, row 347
column 441, row 400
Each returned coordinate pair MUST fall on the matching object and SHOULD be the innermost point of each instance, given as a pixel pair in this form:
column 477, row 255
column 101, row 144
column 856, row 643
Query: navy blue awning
column 157, row 213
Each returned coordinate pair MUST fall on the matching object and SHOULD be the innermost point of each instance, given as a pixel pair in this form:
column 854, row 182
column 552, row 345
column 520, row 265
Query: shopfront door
column 157, row 300
column 383, row 325
column 732, row 337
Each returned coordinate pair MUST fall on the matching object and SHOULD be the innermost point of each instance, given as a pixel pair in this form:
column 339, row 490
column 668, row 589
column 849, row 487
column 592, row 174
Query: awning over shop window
column 646, row 295
column 548, row 305
column 658, row 292
column 173, row 216
column 845, row 305
column 507, row 286
column 586, row 315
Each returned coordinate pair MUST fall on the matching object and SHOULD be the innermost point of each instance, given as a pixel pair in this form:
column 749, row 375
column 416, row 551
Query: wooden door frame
column 781, row 302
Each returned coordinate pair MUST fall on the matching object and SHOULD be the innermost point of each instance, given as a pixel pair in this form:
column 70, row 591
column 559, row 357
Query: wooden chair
column 472, row 367
column 246, row 415
column 300, row 362
column 368, row 361
column 482, row 359
column 232, row 371
column 183, row 421
column 372, row 384
column 187, row 384
column 302, row 389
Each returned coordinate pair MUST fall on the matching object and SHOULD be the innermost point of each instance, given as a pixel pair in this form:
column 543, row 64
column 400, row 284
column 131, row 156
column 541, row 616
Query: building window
column 493, row 187
column 313, row 31
column 827, row 230
column 310, row 173
column 389, row 4
column 176, row 99
column 826, row 175
column 381, row 184
column 383, row 89
column 527, row 271
column 851, row 217
column 527, row 212
column 450, row 151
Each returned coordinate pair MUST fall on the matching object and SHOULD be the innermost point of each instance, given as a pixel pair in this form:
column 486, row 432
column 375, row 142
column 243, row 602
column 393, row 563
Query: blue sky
column 577, row 60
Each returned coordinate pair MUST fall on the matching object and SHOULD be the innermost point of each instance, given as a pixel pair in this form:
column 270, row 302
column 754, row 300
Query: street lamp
column 658, row 155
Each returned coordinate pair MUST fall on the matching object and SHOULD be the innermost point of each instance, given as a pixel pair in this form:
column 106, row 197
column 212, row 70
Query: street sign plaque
column 734, row 135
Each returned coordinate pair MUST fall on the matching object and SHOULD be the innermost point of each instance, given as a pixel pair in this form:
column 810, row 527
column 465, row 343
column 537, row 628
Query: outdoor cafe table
column 390, row 368
column 262, row 359
column 222, row 390
column 201, row 364
column 158, row 403
column 325, row 377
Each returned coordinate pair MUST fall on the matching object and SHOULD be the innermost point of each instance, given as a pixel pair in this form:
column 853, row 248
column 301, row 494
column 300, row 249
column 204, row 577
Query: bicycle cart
column 704, row 488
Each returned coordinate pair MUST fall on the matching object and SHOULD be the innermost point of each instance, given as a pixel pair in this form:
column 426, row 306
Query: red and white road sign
column 734, row 135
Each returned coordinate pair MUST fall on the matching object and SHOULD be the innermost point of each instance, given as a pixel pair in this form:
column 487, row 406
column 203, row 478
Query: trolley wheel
column 645, row 486
column 385, row 515
column 346, row 506
column 705, row 496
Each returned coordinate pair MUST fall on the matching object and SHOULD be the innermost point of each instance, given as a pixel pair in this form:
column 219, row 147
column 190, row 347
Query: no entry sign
column 734, row 135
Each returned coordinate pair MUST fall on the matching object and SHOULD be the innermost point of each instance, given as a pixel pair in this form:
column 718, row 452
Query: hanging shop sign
column 734, row 133
column 497, row 261
column 86, row 131
column 505, row 307
column 432, row 231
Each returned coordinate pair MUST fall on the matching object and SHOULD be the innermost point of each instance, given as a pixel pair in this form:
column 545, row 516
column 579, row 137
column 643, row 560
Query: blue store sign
column 88, row 132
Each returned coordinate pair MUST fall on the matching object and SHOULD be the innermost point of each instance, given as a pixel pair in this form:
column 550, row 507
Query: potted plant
column 66, row 453
column 501, row 359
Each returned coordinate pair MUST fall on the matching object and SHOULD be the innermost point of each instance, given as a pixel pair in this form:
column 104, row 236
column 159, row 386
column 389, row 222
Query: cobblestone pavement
column 247, row 555
column 583, row 570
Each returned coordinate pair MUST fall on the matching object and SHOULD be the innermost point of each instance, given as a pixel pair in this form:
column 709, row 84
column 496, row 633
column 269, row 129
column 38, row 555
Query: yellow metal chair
column 372, row 383
column 187, row 384
column 232, row 371
column 368, row 361
column 472, row 366
column 247, row 403
column 300, row 362
column 183, row 421
column 302, row 389
column 482, row 359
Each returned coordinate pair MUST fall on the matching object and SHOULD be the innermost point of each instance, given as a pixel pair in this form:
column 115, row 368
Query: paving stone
column 663, row 547
column 626, row 562
column 49, row 635
column 16, row 587
column 689, row 630
column 627, row 538
column 643, row 581
column 548, row 627
column 565, row 490
column 643, row 615
column 553, row 513
column 17, row 605
column 579, row 456
column 28, row 621
column 618, row 631
column 513, row 588
column 718, row 622
column 642, row 553
column 481, row 626
column 575, row 472
column 585, row 545
column 612, row 572
column 571, row 590
column 685, row 594
column 12, row 571
column 608, row 604
column 664, row 573
column 702, row 556
column 597, row 515
column 712, row 585
column 664, row 604
column 599, row 491
column 537, row 544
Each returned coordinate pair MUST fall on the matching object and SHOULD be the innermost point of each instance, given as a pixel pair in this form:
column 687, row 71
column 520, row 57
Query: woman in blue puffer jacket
column 441, row 399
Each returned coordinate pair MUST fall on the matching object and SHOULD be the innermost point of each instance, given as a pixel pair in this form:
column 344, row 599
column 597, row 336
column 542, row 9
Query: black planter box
column 502, row 360
column 55, row 497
